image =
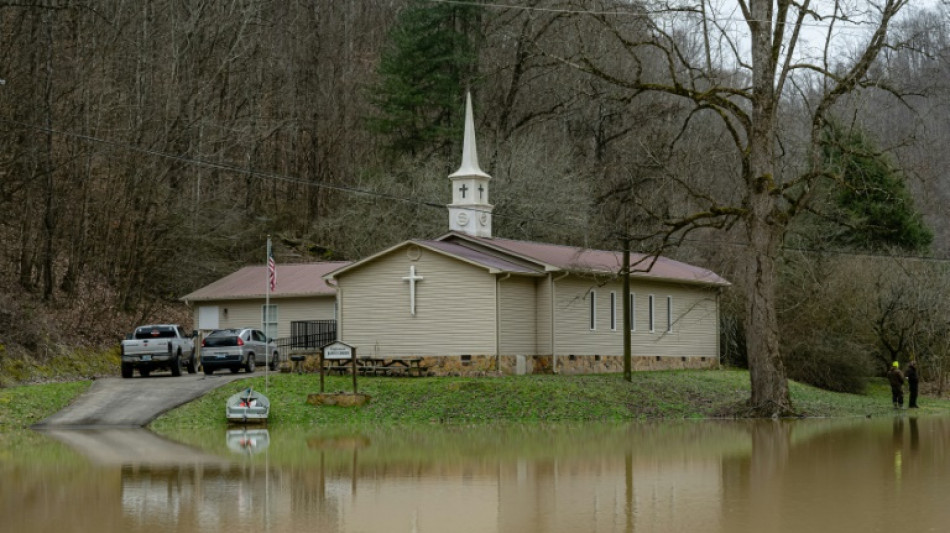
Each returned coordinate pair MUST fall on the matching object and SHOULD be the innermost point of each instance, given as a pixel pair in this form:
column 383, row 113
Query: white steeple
column 470, row 211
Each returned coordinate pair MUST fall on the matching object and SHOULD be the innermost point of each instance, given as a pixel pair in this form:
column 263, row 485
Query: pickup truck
column 159, row 346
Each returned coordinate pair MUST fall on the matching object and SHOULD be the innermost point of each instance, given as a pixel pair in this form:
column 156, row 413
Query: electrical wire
column 353, row 190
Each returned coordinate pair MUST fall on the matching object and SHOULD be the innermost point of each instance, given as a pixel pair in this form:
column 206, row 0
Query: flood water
column 858, row 475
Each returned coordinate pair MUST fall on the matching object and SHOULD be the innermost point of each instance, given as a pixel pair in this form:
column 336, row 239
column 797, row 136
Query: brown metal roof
column 481, row 258
column 293, row 280
column 574, row 259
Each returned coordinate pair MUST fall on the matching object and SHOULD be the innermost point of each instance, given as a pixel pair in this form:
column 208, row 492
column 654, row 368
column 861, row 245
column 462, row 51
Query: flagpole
column 267, row 282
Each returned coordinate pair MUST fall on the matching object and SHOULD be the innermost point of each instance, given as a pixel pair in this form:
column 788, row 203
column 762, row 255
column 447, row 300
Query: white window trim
column 652, row 315
column 593, row 311
column 273, row 320
column 669, row 314
column 613, row 310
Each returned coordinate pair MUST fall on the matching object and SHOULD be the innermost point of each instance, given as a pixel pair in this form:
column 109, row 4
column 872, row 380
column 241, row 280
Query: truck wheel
column 192, row 363
column 249, row 366
column 208, row 371
column 176, row 365
column 126, row 370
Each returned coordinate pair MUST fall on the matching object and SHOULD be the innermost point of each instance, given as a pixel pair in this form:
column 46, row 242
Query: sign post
column 337, row 351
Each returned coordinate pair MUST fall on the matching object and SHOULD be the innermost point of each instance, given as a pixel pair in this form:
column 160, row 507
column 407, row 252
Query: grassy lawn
column 26, row 405
column 651, row 395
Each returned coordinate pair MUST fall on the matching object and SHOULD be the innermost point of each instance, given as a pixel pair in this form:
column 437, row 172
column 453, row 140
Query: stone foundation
column 601, row 364
column 488, row 365
column 566, row 364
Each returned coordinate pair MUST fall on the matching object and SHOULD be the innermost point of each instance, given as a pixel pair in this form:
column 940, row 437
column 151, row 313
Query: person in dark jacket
column 896, row 379
column 912, row 381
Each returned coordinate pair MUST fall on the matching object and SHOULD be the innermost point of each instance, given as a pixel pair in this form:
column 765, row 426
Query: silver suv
column 235, row 349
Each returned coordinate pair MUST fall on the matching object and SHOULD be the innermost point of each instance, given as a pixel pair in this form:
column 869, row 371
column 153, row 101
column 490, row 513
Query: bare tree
column 744, row 79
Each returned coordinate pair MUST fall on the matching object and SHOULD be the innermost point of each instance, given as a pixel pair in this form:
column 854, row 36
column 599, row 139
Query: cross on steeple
column 463, row 215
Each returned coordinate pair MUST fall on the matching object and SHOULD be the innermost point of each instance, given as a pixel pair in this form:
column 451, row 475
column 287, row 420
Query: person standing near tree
column 912, row 381
column 896, row 379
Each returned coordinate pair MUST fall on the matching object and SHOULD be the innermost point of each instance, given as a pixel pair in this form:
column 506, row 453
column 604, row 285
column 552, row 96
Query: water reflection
column 247, row 441
column 852, row 475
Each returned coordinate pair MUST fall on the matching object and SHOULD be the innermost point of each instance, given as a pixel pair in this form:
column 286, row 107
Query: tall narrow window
column 652, row 316
column 669, row 314
column 613, row 311
column 269, row 320
column 633, row 312
column 593, row 310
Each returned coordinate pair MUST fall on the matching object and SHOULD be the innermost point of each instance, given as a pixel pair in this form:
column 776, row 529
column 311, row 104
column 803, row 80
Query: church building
column 471, row 303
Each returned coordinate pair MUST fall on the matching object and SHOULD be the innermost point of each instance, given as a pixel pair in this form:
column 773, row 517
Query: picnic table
column 378, row 366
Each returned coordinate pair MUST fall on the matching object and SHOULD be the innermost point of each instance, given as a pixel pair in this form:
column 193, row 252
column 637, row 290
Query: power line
column 261, row 174
column 353, row 190
column 854, row 23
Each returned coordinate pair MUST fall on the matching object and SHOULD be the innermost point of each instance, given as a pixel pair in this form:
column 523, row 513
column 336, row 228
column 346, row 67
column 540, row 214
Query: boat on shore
column 248, row 407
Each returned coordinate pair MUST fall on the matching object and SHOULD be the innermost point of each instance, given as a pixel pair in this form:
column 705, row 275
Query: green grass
column 26, row 405
column 538, row 398
column 62, row 364
column 459, row 400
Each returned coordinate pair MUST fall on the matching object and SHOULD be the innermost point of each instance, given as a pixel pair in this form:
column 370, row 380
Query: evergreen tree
column 428, row 61
column 872, row 202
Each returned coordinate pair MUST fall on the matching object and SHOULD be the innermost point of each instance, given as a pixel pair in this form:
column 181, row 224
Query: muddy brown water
column 859, row 475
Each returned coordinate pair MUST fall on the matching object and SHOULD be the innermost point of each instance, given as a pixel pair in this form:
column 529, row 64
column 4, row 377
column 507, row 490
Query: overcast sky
column 846, row 35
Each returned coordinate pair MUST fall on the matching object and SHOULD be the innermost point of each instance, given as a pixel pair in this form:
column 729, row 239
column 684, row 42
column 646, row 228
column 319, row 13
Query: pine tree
column 872, row 203
column 424, row 70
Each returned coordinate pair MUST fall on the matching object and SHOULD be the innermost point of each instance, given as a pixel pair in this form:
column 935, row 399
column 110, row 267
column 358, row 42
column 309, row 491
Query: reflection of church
column 468, row 301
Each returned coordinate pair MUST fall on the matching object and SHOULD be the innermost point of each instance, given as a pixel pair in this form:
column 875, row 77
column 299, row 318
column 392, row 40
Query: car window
column 220, row 339
column 258, row 336
column 155, row 332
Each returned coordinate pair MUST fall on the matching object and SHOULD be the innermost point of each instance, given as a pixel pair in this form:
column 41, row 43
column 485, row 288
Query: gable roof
column 493, row 262
column 293, row 280
column 535, row 258
column 555, row 257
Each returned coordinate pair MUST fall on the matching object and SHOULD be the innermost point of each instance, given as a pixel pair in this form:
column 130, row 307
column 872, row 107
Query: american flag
column 272, row 271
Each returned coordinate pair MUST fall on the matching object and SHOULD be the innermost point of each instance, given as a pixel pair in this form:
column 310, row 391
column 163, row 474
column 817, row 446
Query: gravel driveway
column 127, row 403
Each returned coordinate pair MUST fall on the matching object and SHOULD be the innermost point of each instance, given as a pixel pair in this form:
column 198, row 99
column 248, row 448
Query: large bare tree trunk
column 765, row 227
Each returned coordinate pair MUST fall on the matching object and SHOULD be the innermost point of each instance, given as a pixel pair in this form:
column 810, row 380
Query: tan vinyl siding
column 455, row 307
column 248, row 313
column 695, row 327
column 517, row 322
column 543, row 315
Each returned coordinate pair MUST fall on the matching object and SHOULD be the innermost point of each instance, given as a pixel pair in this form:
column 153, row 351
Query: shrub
column 833, row 365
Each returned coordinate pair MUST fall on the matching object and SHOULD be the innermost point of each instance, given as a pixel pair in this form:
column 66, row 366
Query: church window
column 651, row 316
column 613, row 311
column 633, row 312
column 669, row 314
column 593, row 310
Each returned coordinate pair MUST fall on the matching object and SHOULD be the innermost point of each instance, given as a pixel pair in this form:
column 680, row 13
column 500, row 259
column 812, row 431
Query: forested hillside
column 148, row 148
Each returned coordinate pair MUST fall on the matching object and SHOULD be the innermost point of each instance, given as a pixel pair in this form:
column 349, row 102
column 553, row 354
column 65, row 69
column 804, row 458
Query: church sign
column 337, row 350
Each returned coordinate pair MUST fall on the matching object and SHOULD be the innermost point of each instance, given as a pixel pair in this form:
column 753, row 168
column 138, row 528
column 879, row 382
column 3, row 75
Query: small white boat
column 248, row 407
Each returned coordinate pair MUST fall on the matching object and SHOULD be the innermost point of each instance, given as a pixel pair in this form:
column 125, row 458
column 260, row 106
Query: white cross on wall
column 412, row 278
